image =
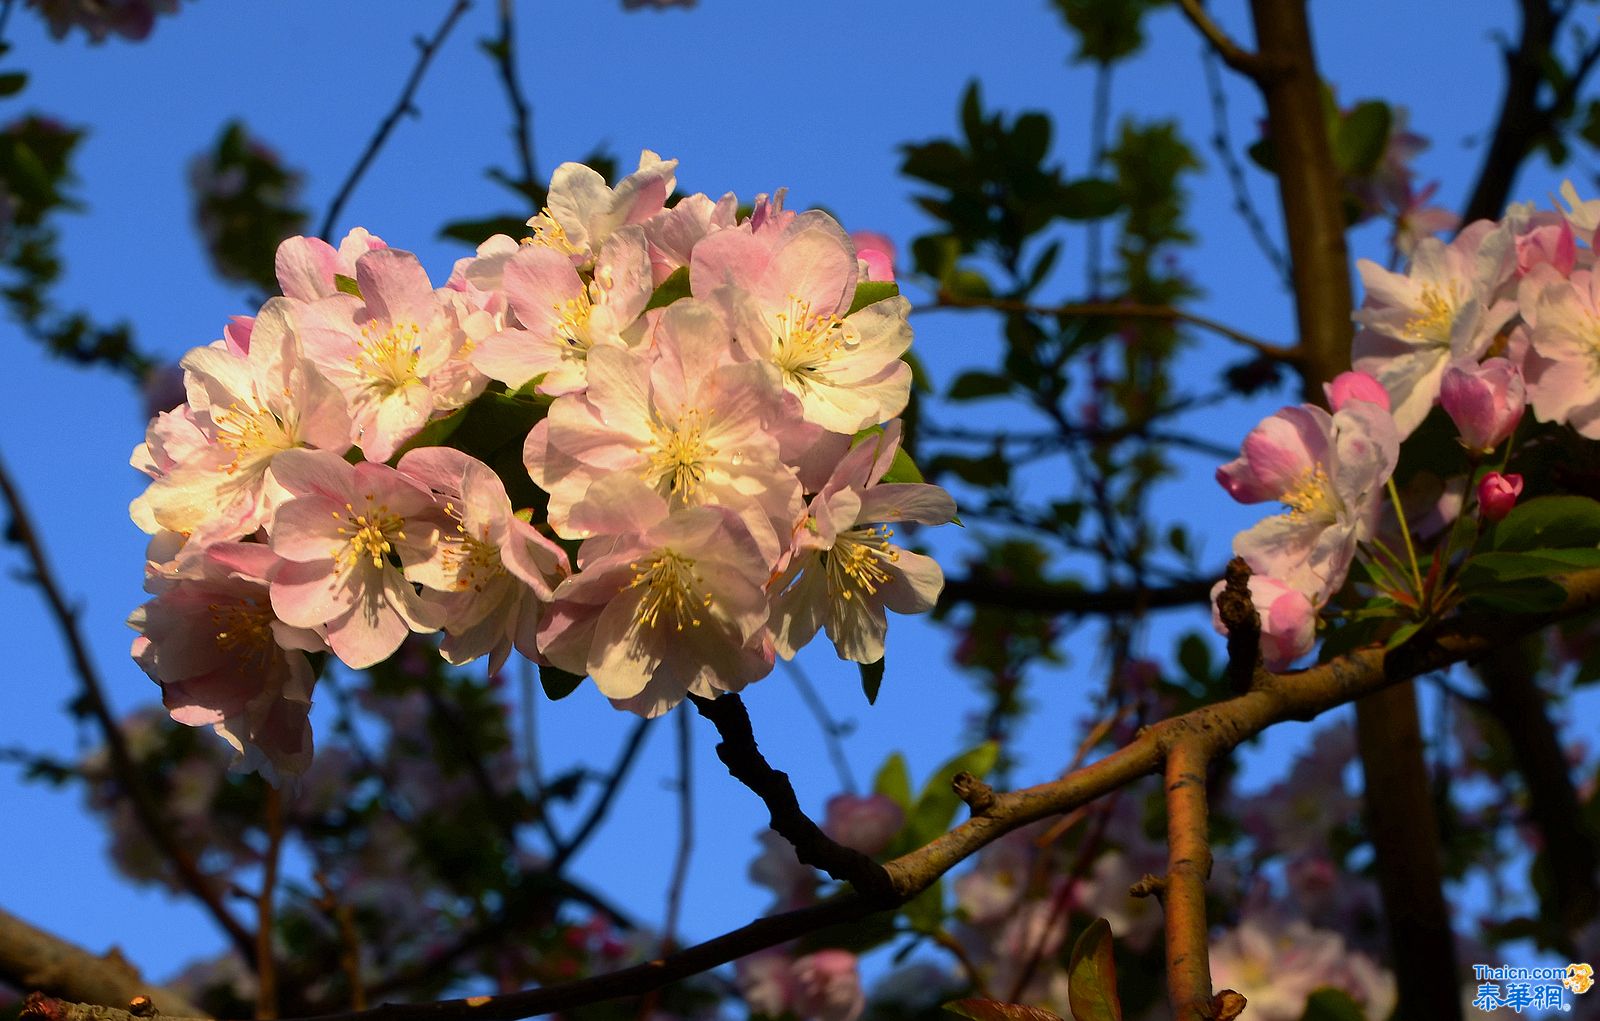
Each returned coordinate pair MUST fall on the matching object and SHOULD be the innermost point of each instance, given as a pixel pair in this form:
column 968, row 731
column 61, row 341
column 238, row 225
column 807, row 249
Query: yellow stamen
column 670, row 589
column 859, row 561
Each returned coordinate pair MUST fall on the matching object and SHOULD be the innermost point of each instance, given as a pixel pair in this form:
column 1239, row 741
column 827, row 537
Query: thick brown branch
column 1126, row 310
column 123, row 767
column 1521, row 121
column 745, row 763
column 35, row 960
column 1184, row 892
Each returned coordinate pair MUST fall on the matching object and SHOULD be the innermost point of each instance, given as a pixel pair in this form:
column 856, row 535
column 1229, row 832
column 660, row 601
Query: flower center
column 369, row 535
column 678, row 456
column 243, row 628
column 1310, row 495
column 252, row 434
column 860, row 560
column 807, row 342
column 572, row 325
column 473, row 559
column 669, row 582
column 1433, row 321
column 388, row 360
column 549, row 233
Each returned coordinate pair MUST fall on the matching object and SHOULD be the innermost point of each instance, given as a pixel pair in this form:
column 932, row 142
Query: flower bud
column 1355, row 386
column 865, row 824
column 1484, row 401
column 877, row 251
column 1497, row 494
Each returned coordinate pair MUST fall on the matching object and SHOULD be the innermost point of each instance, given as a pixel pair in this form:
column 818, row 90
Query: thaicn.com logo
column 1536, row 990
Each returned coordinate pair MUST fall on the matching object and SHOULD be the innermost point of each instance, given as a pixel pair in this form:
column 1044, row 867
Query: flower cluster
column 702, row 405
column 1501, row 319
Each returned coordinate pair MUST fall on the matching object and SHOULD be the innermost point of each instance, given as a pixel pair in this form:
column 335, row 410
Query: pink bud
column 1497, row 494
column 866, row 824
column 877, row 251
column 828, row 986
column 1355, row 386
column 1485, row 401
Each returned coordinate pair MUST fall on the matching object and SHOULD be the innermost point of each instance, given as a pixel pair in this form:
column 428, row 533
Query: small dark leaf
column 476, row 232
column 872, row 680
column 1559, row 521
column 970, row 386
column 672, row 288
column 346, row 285
column 1088, row 198
column 1361, row 137
column 11, row 82
column 557, row 683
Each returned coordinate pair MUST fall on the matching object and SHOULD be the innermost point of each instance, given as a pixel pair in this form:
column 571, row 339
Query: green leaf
column 1521, row 582
column 937, row 802
column 968, row 284
column 994, row 1010
column 1092, row 976
column 872, row 680
column 557, row 683
column 11, row 82
column 871, row 291
column 1194, row 655
column 1361, row 137
column 1331, row 1004
column 971, row 386
column 675, row 286
column 1402, row 634
column 346, row 285
column 1088, row 198
column 1562, row 521
column 894, row 781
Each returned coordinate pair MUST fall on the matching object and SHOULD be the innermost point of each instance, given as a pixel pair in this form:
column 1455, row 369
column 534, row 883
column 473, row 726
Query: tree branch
column 1184, row 892
column 1124, row 310
column 33, row 959
column 1232, row 54
column 1521, row 121
column 619, row 772
column 504, row 51
column 745, row 763
column 145, row 809
column 426, row 48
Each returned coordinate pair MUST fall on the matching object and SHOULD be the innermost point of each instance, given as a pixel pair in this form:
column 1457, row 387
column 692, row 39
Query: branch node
column 978, row 795
column 142, row 1006
column 1227, row 1005
column 1239, row 616
column 1149, row 886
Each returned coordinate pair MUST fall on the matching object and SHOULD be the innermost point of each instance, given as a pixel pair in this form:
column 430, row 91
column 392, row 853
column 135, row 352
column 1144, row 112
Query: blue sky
column 750, row 96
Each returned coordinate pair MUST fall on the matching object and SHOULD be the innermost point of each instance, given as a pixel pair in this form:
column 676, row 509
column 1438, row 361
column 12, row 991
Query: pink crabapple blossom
column 843, row 571
column 492, row 572
column 1329, row 470
column 788, row 291
column 665, row 603
column 1448, row 306
column 339, row 536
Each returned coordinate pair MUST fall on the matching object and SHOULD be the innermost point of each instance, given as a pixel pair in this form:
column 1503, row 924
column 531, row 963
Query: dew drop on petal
column 737, row 457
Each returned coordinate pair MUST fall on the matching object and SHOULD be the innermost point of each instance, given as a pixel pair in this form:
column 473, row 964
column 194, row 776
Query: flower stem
column 1405, row 533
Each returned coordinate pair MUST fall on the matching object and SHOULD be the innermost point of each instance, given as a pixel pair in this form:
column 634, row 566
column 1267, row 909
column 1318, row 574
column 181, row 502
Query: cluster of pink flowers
column 1503, row 318
column 716, row 402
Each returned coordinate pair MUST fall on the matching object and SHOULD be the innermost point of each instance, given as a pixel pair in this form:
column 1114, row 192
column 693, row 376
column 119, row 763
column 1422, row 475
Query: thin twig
column 5, row 16
column 738, row 751
column 832, row 729
column 145, row 809
column 266, row 959
column 1122, row 310
column 426, row 48
column 504, row 51
column 680, row 867
column 1234, row 55
column 1222, row 145
column 619, row 772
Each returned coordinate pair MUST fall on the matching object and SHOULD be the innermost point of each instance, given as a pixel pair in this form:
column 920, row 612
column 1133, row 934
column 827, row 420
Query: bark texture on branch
column 35, row 960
